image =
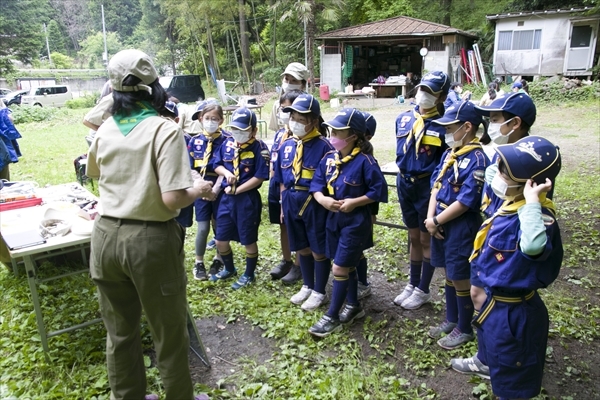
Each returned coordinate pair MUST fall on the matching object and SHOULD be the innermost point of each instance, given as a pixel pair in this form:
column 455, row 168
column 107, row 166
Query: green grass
column 385, row 358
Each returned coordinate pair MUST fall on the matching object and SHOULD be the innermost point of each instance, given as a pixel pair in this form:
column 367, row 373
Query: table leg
column 31, row 278
column 404, row 91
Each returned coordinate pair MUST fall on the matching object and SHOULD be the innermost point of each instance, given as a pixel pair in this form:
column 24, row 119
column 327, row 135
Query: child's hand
column 432, row 228
column 231, row 179
column 347, row 205
column 532, row 190
column 228, row 190
column 331, row 204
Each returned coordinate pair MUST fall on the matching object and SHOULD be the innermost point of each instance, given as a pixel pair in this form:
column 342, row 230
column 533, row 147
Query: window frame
column 517, row 40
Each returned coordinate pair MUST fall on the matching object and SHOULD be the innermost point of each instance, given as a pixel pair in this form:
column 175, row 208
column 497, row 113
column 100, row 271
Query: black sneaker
column 325, row 326
column 293, row 276
column 200, row 271
column 350, row 312
column 215, row 267
column 281, row 269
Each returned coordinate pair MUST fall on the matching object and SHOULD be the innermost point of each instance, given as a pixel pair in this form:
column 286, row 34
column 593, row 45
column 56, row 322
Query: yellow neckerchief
column 338, row 165
column 239, row 149
column 418, row 129
column 507, row 208
column 297, row 163
column 451, row 160
column 210, row 137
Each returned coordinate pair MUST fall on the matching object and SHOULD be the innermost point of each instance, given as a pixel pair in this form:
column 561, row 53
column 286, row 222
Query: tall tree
column 21, row 41
column 74, row 16
column 56, row 38
column 245, row 41
column 120, row 16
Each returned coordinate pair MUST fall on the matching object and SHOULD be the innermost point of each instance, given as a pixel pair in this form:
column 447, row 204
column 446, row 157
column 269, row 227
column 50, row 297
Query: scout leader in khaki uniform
column 137, row 258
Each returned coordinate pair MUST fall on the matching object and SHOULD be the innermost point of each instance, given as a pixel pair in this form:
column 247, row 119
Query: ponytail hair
column 492, row 90
column 361, row 141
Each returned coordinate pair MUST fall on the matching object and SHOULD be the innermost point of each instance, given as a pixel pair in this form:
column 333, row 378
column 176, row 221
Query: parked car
column 4, row 91
column 187, row 88
column 51, row 95
column 14, row 97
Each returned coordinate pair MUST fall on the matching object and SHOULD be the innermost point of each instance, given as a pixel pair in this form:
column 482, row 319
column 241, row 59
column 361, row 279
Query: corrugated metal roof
column 397, row 26
column 517, row 14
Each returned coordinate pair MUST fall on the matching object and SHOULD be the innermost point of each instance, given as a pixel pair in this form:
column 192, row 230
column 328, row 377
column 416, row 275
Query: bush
column 23, row 114
column 557, row 92
column 87, row 101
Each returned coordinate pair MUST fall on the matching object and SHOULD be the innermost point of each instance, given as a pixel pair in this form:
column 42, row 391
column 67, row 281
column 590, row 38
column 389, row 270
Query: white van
column 53, row 95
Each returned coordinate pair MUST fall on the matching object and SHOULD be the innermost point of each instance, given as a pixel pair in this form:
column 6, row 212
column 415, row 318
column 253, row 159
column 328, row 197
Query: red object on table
column 13, row 205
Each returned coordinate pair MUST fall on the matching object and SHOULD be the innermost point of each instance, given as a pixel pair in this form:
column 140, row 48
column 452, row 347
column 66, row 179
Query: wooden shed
column 357, row 55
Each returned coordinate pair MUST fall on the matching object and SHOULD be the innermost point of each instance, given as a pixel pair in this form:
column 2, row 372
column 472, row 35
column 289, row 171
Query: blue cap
column 436, row 81
column 517, row 85
column 371, row 124
column 172, row 108
column 463, row 111
column 532, row 157
column 199, row 107
column 519, row 104
column 304, row 104
column 348, row 118
column 243, row 119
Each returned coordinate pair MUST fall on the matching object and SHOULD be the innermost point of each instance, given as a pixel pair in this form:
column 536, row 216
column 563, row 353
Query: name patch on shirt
column 432, row 133
column 464, row 163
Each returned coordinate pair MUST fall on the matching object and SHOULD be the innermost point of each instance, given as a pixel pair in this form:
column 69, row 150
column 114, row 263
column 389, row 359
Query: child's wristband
column 435, row 221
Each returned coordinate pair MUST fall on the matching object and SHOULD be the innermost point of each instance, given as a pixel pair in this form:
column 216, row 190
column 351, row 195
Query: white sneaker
column 416, row 299
column 301, row 296
column 408, row 290
column 363, row 291
column 315, row 301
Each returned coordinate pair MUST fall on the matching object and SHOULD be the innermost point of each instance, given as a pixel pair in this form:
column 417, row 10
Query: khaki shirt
column 134, row 170
column 101, row 112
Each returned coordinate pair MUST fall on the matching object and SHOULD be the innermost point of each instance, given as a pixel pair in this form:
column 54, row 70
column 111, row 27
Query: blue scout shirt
column 358, row 177
column 503, row 267
column 197, row 147
column 313, row 151
column 462, row 181
column 254, row 159
column 274, row 190
column 430, row 149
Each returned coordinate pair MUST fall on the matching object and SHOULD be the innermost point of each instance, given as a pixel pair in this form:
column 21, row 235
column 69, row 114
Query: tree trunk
column 244, row 40
column 212, row 58
column 274, row 35
column 311, row 32
column 446, row 6
column 171, row 40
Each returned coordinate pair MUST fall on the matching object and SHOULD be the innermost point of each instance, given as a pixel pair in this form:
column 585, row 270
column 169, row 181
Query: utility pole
column 105, row 55
column 47, row 46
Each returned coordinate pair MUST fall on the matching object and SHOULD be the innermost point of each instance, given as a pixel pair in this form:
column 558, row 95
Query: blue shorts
column 207, row 210
column 274, row 204
column 414, row 201
column 515, row 336
column 454, row 250
column 238, row 217
column 305, row 221
column 348, row 235
column 475, row 281
column 186, row 216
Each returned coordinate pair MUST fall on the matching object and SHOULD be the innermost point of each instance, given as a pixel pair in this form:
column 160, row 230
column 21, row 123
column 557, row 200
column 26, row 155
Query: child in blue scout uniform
column 453, row 218
column 298, row 158
column 419, row 147
column 517, row 251
column 243, row 161
column 186, row 215
column 202, row 149
column 364, row 287
column 346, row 182
column 511, row 116
column 286, row 266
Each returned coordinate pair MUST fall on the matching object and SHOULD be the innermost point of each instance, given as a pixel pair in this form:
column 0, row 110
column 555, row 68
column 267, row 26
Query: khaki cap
column 296, row 70
column 131, row 62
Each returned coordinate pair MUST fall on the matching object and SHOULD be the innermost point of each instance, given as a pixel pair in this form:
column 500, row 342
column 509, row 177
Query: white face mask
column 494, row 132
column 450, row 138
column 240, row 136
column 210, row 126
column 298, row 129
column 284, row 118
column 500, row 187
column 286, row 87
column 425, row 100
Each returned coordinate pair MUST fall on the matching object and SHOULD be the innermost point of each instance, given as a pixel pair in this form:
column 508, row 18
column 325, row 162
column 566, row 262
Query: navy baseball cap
column 519, row 104
column 436, row 81
column 460, row 112
column 348, row 118
column 517, row 85
column 371, row 123
column 243, row 119
column 199, row 107
column 172, row 108
column 304, row 104
column 532, row 157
